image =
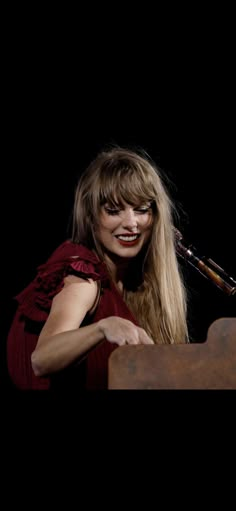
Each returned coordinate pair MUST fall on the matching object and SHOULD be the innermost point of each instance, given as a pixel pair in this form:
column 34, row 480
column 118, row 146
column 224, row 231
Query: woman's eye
column 113, row 211
column 110, row 211
column 142, row 210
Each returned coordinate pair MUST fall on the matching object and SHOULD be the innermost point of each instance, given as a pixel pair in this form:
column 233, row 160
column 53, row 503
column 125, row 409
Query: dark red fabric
column 34, row 304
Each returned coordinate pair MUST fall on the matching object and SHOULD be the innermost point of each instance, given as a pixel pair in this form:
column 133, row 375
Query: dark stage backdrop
column 49, row 143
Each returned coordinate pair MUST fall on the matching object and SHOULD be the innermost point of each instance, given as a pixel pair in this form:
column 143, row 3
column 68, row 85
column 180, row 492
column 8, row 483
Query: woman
column 116, row 282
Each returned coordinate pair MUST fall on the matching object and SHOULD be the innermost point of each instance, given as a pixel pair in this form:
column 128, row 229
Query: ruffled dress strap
column 68, row 259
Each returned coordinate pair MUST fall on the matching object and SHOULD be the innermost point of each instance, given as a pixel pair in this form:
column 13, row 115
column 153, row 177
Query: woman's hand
column 122, row 331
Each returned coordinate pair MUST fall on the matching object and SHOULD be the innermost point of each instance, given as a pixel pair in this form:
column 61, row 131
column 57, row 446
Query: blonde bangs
column 124, row 183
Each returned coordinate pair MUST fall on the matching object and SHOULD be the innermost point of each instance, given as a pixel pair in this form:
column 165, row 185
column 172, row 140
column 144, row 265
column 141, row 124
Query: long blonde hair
column 154, row 289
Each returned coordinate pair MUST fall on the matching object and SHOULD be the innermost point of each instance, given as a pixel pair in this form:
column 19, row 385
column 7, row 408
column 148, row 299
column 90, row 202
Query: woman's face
column 125, row 229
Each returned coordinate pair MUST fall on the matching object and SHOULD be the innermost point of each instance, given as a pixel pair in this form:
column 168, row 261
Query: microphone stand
column 207, row 267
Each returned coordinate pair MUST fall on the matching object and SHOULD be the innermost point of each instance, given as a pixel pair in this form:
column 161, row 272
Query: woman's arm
column 62, row 341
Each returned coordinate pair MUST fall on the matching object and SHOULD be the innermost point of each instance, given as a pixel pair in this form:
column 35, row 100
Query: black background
column 169, row 89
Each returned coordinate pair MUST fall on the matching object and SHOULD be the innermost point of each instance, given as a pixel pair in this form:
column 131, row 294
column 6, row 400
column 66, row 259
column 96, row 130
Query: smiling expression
column 124, row 230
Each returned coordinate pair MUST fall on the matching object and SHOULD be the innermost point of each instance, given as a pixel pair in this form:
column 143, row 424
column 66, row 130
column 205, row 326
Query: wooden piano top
column 207, row 365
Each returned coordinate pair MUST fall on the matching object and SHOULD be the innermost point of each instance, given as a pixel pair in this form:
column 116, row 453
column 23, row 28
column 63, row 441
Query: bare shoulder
column 78, row 290
column 70, row 306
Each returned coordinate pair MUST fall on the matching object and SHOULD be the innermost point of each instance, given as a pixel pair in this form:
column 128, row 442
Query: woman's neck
column 117, row 267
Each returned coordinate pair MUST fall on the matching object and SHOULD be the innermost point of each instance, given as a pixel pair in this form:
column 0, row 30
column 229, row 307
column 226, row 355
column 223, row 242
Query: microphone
column 207, row 267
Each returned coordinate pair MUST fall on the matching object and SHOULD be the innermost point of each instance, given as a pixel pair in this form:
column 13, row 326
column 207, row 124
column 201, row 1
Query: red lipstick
column 128, row 243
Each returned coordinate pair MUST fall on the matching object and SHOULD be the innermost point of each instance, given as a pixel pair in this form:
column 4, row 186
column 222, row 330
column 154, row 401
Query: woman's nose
column 129, row 219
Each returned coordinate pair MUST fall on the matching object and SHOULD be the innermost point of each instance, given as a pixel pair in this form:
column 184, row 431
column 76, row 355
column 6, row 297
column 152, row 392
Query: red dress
column 34, row 304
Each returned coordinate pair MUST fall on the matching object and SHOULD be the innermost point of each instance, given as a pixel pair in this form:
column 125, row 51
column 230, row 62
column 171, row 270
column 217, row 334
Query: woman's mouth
column 128, row 240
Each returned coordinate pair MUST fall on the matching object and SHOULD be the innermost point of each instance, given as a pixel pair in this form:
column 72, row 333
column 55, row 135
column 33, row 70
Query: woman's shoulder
column 69, row 258
column 70, row 249
column 76, row 258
